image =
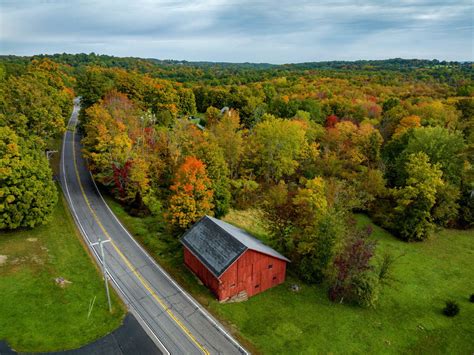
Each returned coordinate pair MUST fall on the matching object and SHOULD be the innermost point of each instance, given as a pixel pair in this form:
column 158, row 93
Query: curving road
column 172, row 318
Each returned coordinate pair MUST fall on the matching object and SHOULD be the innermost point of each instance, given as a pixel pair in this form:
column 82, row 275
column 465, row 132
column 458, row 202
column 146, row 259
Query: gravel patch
column 3, row 259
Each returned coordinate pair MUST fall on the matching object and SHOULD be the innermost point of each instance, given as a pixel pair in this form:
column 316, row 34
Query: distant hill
column 213, row 73
column 126, row 62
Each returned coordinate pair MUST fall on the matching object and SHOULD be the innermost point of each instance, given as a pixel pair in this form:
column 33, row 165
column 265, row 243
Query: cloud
column 259, row 31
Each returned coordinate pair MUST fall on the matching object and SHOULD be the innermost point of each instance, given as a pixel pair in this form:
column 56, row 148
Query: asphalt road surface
column 171, row 317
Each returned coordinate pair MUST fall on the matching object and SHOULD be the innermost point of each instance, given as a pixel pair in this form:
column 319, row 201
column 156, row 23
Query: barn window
column 270, row 266
column 257, row 285
column 274, row 278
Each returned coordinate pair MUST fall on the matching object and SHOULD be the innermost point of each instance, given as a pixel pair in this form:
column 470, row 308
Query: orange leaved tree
column 191, row 194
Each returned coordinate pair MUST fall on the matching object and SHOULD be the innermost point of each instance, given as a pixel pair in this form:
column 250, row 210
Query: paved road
column 172, row 318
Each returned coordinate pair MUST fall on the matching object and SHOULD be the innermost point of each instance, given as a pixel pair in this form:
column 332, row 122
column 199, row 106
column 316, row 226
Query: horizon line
column 245, row 62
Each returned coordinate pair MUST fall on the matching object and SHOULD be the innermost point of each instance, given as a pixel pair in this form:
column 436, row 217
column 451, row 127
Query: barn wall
column 251, row 273
column 201, row 271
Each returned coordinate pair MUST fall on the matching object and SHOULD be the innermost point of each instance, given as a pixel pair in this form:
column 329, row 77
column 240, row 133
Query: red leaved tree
column 331, row 121
column 352, row 267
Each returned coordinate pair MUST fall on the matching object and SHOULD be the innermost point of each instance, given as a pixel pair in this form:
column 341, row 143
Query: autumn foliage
column 191, row 196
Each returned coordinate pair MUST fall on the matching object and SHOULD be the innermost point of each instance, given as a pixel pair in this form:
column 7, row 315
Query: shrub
column 471, row 299
column 366, row 289
column 353, row 278
column 451, row 309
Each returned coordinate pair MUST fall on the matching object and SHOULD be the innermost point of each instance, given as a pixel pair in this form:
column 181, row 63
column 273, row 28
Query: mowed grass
column 407, row 319
column 36, row 314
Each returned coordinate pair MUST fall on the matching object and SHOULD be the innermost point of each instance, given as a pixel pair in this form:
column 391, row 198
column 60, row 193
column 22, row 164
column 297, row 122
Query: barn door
column 256, row 280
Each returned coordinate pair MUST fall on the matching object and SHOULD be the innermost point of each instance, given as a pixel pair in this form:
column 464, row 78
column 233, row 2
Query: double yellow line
column 124, row 258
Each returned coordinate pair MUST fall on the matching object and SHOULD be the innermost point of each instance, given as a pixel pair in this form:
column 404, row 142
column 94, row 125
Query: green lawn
column 36, row 314
column 408, row 318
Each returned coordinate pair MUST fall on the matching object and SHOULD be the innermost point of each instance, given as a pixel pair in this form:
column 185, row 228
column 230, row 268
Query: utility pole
column 104, row 269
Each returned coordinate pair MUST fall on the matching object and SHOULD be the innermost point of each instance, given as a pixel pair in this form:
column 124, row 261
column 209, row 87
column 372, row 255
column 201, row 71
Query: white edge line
column 83, row 232
column 198, row 306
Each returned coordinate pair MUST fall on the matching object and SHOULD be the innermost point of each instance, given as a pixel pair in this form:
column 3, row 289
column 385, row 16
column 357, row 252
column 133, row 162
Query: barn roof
column 218, row 244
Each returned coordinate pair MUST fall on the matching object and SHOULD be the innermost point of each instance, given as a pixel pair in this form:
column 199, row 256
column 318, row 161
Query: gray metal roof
column 218, row 244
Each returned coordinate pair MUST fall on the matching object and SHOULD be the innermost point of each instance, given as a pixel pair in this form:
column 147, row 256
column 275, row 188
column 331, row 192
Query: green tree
column 30, row 106
column 416, row 199
column 390, row 120
column 186, row 102
column 303, row 226
column 27, row 192
column 445, row 210
column 318, row 230
column 437, row 114
column 212, row 156
column 310, row 204
column 316, row 249
column 442, row 147
column 278, row 211
column 275, row 147
column 466, row 121
column 229, row 136
column 106, row 141
column 213, row 115
column 92, row 85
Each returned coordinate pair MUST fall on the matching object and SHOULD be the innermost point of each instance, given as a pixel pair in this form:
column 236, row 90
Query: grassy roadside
column 407, row 319
column 38, row 314
column 151, row 235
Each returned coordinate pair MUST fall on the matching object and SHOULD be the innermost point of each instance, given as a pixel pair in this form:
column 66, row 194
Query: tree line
column 33, row 108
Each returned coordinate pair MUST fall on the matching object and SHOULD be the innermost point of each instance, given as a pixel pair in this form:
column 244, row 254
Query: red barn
column 230, row 261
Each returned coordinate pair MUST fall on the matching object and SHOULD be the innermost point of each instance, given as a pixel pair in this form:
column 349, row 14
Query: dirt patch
column 32, row 239
column 3, row 259
column 37, row 259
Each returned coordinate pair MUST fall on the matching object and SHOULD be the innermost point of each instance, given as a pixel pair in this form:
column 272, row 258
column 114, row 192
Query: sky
column 270, row 31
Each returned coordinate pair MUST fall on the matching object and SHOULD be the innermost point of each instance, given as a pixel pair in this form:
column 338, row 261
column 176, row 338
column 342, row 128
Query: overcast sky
column 273, row 31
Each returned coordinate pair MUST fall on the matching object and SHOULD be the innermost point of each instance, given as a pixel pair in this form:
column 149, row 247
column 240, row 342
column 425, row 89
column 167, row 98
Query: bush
column 366, row 289
column 471, row 299
column 354, row 279
column 451, row 309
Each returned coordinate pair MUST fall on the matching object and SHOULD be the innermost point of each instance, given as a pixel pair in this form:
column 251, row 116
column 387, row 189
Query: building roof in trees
column 218, row 244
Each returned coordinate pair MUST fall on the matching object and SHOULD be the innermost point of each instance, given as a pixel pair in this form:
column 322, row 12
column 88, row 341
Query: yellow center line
column 127, row 262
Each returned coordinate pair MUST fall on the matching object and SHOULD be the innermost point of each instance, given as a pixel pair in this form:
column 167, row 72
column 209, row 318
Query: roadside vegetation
column 408, row 319
column 48, row 282
column 38, row 310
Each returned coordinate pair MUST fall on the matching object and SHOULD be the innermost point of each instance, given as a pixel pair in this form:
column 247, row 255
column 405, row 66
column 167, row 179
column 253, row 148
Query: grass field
column 408, row 318
column 37, row 314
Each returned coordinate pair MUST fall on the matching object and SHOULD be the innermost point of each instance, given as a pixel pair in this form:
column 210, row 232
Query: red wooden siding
column 201, row 271
column 253, row 272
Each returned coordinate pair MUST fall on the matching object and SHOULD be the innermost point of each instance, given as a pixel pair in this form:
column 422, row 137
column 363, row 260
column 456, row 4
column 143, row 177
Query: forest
column 307, row 144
